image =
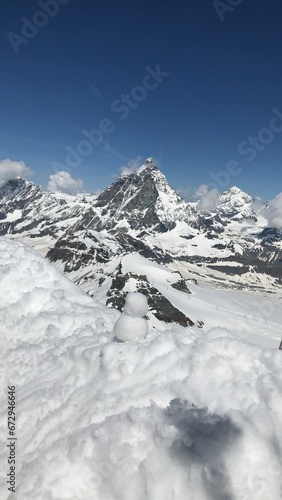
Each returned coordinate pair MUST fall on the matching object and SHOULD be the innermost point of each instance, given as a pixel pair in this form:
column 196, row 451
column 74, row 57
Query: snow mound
column 181, row 414
column 39, row 303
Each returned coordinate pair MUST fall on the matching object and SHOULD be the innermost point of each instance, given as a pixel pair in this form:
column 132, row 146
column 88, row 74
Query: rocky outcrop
column 159, row 305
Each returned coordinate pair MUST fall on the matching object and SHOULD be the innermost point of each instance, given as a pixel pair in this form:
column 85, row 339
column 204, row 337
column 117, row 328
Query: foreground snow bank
column 39, row 303
column 178, row 415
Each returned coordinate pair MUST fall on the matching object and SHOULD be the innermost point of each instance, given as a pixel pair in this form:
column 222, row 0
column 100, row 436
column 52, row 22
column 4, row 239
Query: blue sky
column 223, row 80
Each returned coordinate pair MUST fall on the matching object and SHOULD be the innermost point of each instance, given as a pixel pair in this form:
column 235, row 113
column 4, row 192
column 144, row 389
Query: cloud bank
column 10, row 170
column 205, row 197
column 273, row 212
column 64, row 183
column 208, row 197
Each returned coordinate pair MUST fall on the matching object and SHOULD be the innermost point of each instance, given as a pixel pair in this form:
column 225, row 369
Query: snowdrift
column 179, row 414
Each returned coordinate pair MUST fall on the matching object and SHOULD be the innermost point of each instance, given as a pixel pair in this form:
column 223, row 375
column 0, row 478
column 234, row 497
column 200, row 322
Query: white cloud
column 273, row 212
column 137, row 166
column 205, row 197
column 65, row 183
column 133, row 167
column 10, row 170
column 208, row 197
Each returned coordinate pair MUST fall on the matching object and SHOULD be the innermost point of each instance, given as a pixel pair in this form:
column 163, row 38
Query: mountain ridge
column 87, row 236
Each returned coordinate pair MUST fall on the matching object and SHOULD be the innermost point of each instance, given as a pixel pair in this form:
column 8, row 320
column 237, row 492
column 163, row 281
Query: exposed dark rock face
column 133, row 198
column 181, row 286
column 158, row 304
column 76, row 254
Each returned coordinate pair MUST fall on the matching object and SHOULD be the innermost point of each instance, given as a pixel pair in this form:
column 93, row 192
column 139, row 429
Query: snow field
column 254, row 317
column 181, row 414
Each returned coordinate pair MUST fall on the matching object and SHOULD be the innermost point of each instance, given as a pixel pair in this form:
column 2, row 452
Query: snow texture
column 181, row 414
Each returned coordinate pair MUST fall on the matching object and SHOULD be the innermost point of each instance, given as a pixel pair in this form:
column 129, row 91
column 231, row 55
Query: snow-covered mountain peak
column 235, row 202
column 235, row 196
column 17, row 193
column 14, row 185
column 149, row 164
column 143, row 199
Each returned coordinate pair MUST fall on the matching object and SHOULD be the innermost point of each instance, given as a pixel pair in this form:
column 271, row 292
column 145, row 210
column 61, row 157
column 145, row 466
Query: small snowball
column 130, row 328
column 136, row 304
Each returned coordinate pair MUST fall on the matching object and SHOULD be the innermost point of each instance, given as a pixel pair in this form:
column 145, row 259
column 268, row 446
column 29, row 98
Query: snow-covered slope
column 236, row 203
column 182, row 414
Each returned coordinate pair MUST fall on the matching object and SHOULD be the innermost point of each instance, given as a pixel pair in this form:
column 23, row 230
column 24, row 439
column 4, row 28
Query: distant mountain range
column 104, row 243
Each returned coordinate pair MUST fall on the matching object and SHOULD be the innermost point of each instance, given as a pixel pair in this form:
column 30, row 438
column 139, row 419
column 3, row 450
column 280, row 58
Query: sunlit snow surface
column 182, row 414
